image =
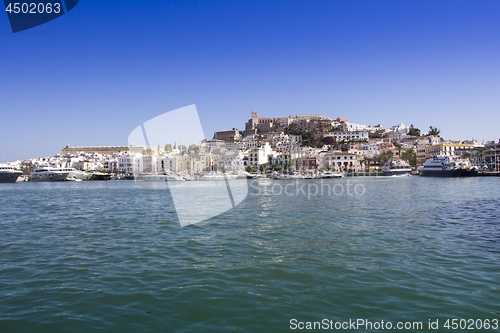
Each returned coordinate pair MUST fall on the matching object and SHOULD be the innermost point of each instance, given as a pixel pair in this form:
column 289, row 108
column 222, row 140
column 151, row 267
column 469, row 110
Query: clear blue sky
column 91, row 76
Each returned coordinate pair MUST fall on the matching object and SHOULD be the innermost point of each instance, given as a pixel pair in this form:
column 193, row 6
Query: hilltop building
column 256, row 125
column 228, row 136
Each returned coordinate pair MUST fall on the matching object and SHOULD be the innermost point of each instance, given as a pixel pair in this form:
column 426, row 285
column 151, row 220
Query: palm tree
column 262, row 168
column 287, row 166
column 365, row 162
column 385, row 156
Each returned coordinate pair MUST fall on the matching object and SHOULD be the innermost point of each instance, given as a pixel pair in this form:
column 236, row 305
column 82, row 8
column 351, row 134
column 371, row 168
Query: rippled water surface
column 112, row 256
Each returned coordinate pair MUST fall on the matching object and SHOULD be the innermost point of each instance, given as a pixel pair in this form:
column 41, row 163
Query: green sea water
column 111, row 257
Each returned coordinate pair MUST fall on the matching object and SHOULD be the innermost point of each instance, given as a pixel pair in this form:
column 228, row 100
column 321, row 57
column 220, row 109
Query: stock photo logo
column 27, row 15
column 194, row 201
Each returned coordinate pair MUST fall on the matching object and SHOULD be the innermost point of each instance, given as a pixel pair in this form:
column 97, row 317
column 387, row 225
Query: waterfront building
column 491, row 155
column 283, row 160
column 129, row 163
column 306, row 162
column 233, row 161
column 148, row 164
column 208, row 161
column 449, row 149
column 421, row 156
column 343, row 161
column 110, row 164
column 260, row 155
column 105, row 150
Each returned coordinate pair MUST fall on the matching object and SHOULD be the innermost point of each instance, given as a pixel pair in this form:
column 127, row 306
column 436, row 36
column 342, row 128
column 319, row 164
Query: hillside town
column 300, row 143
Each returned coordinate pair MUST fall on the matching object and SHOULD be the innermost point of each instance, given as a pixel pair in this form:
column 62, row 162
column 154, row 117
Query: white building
column 349, row 135
column 350, row 127
column 232, row 161
column 260, row 155
column 129, row 163
column 342, row 161
column 397, row 136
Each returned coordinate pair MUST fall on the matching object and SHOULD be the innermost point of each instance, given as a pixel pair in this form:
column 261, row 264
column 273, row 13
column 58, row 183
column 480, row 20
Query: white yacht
column 447, row 166
column 330, row 175
column 74, row 174
column 166, row 176
column 8, row 174
column 46, row 174
column 396, row 168
column 96, row 175
column 217, row 176
column 288, row 177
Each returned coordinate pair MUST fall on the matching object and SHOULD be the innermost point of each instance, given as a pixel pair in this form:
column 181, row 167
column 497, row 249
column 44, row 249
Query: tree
column 27, row 167
column 262, row 168
column 410, row 156
column 148, row 152
column 194, row 148
column 466, row 155
column 434, row 131
column 182, row 149
column 386, row 156
column 168, row 148
column 414, row 131
column 366, row 162
column 376, row 135
column 249, row 169
column 276, row 167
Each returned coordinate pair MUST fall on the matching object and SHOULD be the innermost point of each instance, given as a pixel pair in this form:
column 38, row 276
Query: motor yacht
column 396, row 168
column 47, row 174
column 447, row 166
column 8, row 174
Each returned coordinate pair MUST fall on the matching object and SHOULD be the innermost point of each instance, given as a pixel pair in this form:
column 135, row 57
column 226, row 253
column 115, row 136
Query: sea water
column 111, row 256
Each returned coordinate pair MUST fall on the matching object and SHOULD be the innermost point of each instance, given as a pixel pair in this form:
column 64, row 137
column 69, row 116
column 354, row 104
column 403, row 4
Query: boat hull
column 9, row 177
column 79, row 175
column 48, row 177
column 396, row 172
column 448, row 173
column 100, row 176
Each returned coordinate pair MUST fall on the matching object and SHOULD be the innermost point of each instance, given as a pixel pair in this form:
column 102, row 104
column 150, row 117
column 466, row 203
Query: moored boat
column 447, row 166
column 8, row 174
column 48, row 174
column 96, row 175
column 396, row 168
column 166, row 176
column 74, row 174
column 217, row 176
column 330, row 175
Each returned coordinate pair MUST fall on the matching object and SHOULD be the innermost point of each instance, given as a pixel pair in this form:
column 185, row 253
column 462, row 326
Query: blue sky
column 93, row 75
